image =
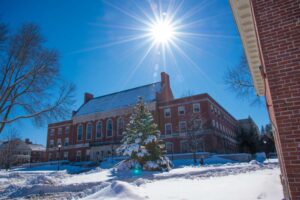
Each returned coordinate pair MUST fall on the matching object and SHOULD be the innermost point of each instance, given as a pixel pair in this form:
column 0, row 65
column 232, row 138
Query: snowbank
column 232, row 181
column 117, row 190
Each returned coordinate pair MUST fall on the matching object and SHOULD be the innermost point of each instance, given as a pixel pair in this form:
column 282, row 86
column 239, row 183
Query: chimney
column 27, row 141
column 87, row 97
column 166, row 92
column 165, row 80
column 73, row 113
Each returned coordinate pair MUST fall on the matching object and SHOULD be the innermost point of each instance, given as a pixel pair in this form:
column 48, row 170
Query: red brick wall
column 215, row 141
column 278, row 30
column 166, row 91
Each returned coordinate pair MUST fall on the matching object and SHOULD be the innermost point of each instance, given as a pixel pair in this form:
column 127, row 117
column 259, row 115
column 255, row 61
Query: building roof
column 244, row 19
column 36, row 147
column 120, row 99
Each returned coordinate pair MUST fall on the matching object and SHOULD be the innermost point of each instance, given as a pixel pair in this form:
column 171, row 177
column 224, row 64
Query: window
column 78, row 156
column 51, row 143
column 196, row 107
column 182, row 126
column 169, row 147
column 66, row 141
column 109, row 128
column 66, row 155
column 168, row 129
column 89, row 130
column 197, row 124
column 99, row 130
column 120, row 126
column 59, row 141
column 52, row 131
column 50, row 156
column 167, row 112
column 59, row 131
column 184, row 146
column 79, row 133
column 87, row 154
column 181, row 110
column 67, row 130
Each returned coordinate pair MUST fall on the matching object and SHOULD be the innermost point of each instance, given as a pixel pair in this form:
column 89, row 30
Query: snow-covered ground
column 241, row 181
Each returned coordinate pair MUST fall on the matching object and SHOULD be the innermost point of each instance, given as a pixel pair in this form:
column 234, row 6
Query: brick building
column 96, row 128
column 15, row 152
column 270, row 32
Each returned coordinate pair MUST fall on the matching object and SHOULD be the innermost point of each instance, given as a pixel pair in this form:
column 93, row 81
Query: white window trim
column 180, row 127
column 66, row 153
column 165, row 111
column 78, row 132
column 51, row 142
column 180, row 110
column 101, row 135
column 166, row 128
column 52, row 131
column 86, row 133
column 181, row 145
column 59, row 131
column 196, row 104
column 172, row 145
column 67, row 138
column 200, row 122
column 68, row 127
column 112, row 128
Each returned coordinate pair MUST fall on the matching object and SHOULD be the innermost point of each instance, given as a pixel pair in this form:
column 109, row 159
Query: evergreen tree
column 142, row 142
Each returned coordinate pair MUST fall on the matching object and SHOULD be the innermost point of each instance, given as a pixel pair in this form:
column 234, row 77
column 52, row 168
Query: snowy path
column 228, row 181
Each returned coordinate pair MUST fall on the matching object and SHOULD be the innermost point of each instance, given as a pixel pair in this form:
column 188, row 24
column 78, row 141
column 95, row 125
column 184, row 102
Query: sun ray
column 196, row 67
column 130, row 39
column 202, row 51
column 138, row 64
column 139, row 19
column 127, row 27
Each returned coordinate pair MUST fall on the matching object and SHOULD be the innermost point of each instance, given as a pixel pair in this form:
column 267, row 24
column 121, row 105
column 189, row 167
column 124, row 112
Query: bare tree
column 239, row 80
column 195, row 131
column 7, row 153
column 30, row 85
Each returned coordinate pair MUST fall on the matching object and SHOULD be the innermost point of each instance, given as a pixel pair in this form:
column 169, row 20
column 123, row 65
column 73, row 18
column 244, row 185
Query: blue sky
column 90, row 38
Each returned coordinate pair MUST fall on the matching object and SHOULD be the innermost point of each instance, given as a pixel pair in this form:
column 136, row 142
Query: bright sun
column 162, row 32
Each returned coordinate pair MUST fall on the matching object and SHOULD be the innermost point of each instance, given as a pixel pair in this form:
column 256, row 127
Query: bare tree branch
column 30, row 85
column 239, row 80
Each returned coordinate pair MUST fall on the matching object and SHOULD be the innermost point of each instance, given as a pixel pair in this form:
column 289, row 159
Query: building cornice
column 243, row 16
column 109, row 114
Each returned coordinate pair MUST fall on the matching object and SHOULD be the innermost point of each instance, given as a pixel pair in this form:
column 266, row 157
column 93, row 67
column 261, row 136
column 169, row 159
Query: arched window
column 79, row 132
column 120, row 126
column 89, row 130
column 99, row 130
column 109, row 128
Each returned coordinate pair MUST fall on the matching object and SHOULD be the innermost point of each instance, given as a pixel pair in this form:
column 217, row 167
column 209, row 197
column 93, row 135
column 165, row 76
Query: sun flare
column 162, row 31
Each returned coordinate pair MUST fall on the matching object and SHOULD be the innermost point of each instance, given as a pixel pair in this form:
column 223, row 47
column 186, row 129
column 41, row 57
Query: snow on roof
column 120, row 99
column 36, row 147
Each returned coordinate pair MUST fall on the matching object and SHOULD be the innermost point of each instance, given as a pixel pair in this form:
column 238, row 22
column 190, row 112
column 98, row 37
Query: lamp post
column 265, row 143
column 59, row 146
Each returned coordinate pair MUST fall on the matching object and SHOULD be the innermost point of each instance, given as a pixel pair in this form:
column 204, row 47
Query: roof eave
column 243, row 16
